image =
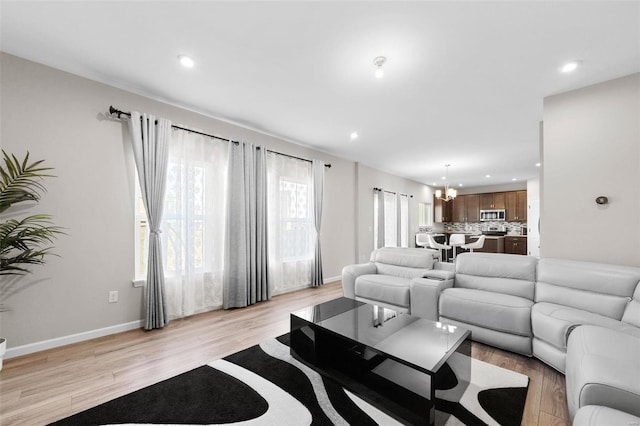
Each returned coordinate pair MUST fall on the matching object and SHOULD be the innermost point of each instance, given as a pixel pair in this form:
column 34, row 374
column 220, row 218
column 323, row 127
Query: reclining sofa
column 581, row 318
column 391, row 277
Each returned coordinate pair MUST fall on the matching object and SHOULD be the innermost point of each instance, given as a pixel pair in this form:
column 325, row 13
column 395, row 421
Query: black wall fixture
column 602, row 200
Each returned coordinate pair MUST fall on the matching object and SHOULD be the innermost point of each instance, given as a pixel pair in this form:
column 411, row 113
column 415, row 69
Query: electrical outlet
column 113, row 296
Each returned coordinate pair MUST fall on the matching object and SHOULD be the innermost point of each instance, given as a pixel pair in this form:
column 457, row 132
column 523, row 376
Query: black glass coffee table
column 397, row 362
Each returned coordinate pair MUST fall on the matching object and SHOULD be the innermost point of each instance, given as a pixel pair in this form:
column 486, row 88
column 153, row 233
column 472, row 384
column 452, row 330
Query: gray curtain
column 318, row 190
column 380, row 242
column 150, row 140
column 245, row 279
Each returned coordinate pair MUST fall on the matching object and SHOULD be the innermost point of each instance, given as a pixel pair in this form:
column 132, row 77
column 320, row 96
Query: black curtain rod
column 391, row 192
column 119, row 113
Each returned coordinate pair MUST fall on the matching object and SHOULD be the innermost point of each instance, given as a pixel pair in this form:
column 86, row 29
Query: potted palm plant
column 25, row 240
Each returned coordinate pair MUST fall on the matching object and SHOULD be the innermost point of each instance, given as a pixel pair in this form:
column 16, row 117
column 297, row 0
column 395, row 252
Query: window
column 391, row 226
column 295, row 221
column 425, row 216
column 192, row 226
column 291, row 234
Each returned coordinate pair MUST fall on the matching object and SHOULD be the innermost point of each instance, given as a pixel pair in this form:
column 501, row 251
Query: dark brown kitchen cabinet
column 515, row 245
column 458, row 209
column 472, row 205
column 465, row 208
column 441, row 210
column 495, row 200
column 516, row 206
column 492, row 245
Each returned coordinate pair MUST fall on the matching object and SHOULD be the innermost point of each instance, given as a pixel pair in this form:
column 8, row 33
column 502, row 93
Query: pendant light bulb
column 378, row 62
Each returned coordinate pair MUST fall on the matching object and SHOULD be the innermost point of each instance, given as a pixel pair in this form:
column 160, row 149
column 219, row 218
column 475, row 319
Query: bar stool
column 422, row 240
column 455, row 241
column 435, row 245
column 475, row 245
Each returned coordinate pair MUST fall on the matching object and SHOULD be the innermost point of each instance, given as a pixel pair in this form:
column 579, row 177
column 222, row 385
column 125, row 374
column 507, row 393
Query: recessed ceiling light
column 443, row 178
column 537, row 164
column 354, row 135
column 186, row 61
column 459, row 184
column 487, row 176
column 570, row 66
column 514, row 179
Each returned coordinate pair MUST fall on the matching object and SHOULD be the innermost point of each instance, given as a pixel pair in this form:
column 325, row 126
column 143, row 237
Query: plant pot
column 3, row 349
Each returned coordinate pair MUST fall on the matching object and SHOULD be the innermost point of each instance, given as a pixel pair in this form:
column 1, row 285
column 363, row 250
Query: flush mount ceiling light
column 354, row 135
column 378, row 62
column 449, row 193
column 570, row 66
column 186, row 61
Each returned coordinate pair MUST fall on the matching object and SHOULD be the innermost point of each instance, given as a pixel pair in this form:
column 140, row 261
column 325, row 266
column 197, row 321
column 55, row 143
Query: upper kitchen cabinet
column 472, row 204
column 458, row 209
column 466, row 208
column 516, row 206
column 496, row 200
column 441, row 210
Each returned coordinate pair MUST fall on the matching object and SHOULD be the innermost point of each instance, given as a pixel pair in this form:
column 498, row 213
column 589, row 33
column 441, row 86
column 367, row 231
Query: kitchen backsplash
column 475, row 227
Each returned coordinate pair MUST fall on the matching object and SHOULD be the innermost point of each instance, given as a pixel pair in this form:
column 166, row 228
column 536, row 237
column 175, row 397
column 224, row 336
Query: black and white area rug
column 265, row 385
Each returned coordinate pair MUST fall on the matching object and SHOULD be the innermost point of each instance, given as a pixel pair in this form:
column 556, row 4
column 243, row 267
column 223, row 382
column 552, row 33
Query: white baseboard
column 73, row 338
column 331, row 279
column 92, row 334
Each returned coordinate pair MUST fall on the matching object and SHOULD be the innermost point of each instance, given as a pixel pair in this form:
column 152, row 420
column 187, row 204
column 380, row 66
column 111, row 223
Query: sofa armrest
column 351, row 272
column 445, row 266
column 439, row 274
column 425, row 293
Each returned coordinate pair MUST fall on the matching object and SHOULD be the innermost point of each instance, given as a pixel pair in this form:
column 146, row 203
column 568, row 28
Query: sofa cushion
column 603, row 369
column 596, row 415
column 495, row 311
column 499, row 273
column 409, row 257
column 384, row 288
column 553, row 323
column 594, row 287
column 599, row 303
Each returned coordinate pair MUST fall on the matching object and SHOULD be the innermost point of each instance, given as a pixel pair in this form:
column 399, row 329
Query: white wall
column 591, row 147
column 60, row 117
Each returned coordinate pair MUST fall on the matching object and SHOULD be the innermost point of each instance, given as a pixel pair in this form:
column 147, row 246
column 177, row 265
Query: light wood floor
column 46, row 386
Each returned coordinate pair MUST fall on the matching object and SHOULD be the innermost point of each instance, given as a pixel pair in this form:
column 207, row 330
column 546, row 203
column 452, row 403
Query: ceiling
column 464, row 81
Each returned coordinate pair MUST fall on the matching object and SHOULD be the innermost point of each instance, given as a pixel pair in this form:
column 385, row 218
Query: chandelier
column 449, row 193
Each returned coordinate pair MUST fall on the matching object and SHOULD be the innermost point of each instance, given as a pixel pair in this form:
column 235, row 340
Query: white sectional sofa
column 581, row 318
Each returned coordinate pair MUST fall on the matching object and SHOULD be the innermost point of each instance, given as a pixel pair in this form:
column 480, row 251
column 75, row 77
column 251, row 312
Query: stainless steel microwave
column 489, row 215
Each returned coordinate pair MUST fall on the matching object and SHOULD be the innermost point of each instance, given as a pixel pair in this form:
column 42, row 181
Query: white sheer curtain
column 194, row 223
column 378, row 218
column 404, row 220
column 290, row 222
column 390, row 219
